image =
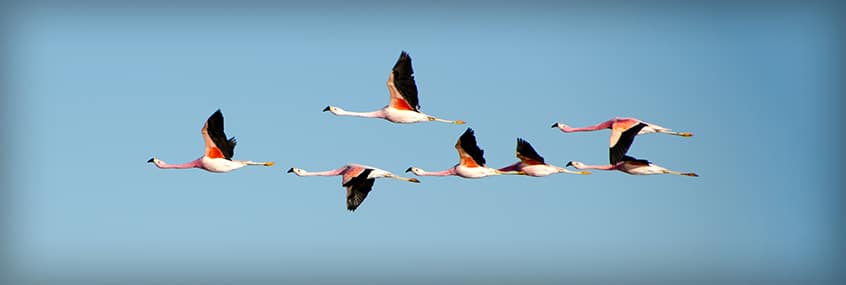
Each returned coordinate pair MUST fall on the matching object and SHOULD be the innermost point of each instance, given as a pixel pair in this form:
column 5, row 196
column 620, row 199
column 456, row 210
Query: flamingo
column 532, row 164
column 357, row 178
column 618, row 126
column 403, row 106
column 471, row 161
column 219, row 150
column 622, row 162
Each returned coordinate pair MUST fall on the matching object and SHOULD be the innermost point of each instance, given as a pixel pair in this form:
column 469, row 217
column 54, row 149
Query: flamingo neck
column 600, row 126
column 598, row 167
column 198, row 163
column 373, row 114
column 323, row 173
column 446, row 172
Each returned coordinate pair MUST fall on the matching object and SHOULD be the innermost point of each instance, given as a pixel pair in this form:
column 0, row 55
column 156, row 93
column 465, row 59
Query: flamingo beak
column 326, row 109
column 151, row 160
column 555, row 125
column 291, row 170
column 569, row 163
column 408, row 170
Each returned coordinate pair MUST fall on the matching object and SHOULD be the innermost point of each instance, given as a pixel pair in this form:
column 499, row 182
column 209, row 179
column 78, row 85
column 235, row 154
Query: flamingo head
column 576, row 164
column 415, row 170
column 332, row 109
column 560, row 126
column 297, row 171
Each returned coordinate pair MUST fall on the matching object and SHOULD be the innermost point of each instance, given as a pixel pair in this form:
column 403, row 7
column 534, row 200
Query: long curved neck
column 600, row 126
column 323, row 173
column 446, row 172
column 193, row 164
column 374, row 114
column 598, row 167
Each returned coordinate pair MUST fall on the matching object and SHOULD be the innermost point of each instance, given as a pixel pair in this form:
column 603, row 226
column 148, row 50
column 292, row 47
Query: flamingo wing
column 527, row 154
column 357, row 189
column 618, row 126
column 469, row 152
column 635, row 161
column 217, row 145
column 401, row 85
column 617, row 152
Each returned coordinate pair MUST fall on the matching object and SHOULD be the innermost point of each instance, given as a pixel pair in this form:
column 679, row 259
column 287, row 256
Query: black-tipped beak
column 151, row 160
column 326, row 109
column 569, row 163
column 408, row 170
column 555, row 125
column 291, row 170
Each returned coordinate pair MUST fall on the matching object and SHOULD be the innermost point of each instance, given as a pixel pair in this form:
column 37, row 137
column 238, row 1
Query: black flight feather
column 635, row 160
column 468, row 143
column 215, row 131
column 526, row 150
column 404, row 81
column 357, row 189
column 619, row 150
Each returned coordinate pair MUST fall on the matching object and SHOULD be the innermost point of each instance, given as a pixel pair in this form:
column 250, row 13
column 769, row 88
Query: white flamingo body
column 475, row 172
column 639, row 169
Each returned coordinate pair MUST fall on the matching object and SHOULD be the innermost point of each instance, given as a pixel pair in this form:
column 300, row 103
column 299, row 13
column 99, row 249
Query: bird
column 618, row 125
column 471, row 161
column 219, row 150
column 532, row 164
column 404, row 106
column 622, row 162
column 357, row 178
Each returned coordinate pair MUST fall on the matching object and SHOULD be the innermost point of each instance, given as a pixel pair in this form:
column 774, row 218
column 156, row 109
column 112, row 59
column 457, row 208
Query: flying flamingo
column 532, row 164
column 219, row 150
column 358, row 179
column 618, row 125
column 471, row 161
column 404, row 106
column 622, row 162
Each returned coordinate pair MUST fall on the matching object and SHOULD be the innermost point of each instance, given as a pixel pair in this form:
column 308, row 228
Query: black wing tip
column 404, row 54
column 471, row 146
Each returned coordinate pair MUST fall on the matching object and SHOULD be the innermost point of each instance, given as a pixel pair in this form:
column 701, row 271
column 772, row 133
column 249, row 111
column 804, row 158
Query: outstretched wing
column 217, row 145
column 527, row 154
column 401, row 85
column 357, row 189
column 618, row 151
column 468, row 151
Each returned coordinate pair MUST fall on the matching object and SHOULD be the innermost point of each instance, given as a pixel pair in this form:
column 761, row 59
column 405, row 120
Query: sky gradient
column 95, row 90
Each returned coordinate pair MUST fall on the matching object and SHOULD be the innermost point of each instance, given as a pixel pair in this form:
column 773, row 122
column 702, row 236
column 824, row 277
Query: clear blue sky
column 97, row 90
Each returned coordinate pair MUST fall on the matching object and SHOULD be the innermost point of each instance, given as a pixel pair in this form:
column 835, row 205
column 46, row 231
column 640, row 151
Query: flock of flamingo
column 404, row 108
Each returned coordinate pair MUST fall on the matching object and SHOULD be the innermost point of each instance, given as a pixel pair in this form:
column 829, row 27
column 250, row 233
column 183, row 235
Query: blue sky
column 97, row 90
